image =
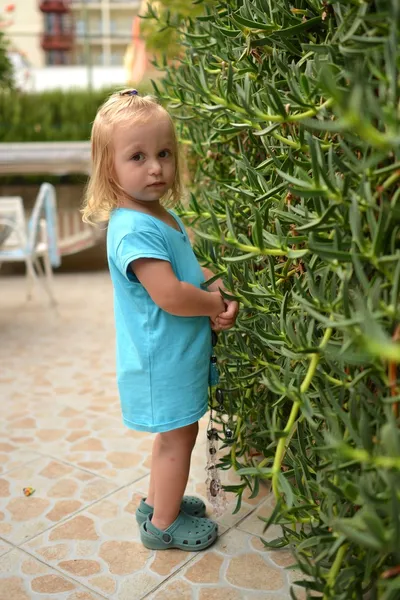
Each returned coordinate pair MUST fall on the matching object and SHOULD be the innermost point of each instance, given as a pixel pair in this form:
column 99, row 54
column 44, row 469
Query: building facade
column 105, row 28
column 73, row 32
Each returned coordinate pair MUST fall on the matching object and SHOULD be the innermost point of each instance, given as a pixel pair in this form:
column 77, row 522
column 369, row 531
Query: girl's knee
column 184, row 436
column 191, row 433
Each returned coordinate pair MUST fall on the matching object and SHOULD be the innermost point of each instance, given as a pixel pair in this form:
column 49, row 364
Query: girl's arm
column 176, row 297
column 216, row 285
column 226, row 319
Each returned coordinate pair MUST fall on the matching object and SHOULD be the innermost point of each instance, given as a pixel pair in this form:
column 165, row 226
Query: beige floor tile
column 265, row 596
column 254, row 524
column 231, row 569
column 122, row 467
column 101, row 548
column 12, row 458
column 174, row 589
column 4, row 547
column 60, row 490
column 81, row 438
column 22, row 577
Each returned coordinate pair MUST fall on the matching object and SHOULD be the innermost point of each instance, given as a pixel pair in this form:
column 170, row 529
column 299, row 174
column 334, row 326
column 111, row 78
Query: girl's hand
column 226, row 319
column 219, row 306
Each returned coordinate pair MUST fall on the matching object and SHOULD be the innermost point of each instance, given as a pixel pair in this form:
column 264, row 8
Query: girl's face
column 144, row 158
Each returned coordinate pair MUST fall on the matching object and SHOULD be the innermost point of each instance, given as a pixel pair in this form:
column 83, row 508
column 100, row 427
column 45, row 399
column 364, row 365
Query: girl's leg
column 169, row 473
column 152, row 488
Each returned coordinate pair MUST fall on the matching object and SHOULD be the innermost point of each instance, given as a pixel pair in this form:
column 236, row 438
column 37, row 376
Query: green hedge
column 50, row 116
column 290, row 110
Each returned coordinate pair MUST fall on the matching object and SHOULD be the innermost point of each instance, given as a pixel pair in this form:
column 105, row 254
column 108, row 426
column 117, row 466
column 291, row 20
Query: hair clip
column 129, row 93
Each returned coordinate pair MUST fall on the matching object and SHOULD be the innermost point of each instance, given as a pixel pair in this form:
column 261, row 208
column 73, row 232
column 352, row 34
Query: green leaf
column 296, row 29
column 320, row 221
column 229, row 221
column 314, row 159
column 390, row 436
column 363, row 538
column 229, row 81
column 258, row 229
column 231, row 33
column 239, row 258
column 286, row 490
column 394, row 298
column 379, row 233
column 297, row 253
column 202, row 77
column 374, row 525
column 278, row 104
column 249, row 24
column 355, row 222
column 300, row 182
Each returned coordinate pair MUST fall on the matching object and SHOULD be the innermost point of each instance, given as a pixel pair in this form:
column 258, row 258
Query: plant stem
column 392, row 374
column 334, row 570
column 281, row 448
column 387, row 183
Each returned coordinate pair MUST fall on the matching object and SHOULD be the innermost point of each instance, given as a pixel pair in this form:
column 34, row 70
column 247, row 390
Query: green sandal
column 185, row 533
column 190, row 505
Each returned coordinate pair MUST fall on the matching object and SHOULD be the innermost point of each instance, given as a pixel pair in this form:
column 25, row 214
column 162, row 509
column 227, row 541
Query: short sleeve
column 140, row 244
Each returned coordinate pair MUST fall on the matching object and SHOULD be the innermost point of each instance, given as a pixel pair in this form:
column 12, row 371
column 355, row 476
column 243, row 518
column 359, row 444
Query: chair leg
column 42, row 277
column 38, row 265
column 31, row 277
column 48, row 273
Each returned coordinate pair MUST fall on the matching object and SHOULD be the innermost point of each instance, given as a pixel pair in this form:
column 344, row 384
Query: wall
column 65, row 77
column 25, row 31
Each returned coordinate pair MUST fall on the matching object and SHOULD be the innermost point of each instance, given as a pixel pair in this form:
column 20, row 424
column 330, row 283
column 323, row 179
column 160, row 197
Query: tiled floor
column 76, row 537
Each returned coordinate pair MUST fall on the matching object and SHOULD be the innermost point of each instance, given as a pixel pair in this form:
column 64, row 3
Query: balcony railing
column 57, row 41
column 97, row 3
column 87, row 3
column 89, row 36
column 55, row 6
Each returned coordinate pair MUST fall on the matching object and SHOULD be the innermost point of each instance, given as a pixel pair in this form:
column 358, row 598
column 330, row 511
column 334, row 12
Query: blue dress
column 162, row 360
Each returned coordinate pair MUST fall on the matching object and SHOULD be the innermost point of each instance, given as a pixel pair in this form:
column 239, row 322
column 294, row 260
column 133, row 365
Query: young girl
column 162, row 314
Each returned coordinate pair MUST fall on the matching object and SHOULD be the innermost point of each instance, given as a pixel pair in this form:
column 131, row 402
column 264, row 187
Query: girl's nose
column 155, row 167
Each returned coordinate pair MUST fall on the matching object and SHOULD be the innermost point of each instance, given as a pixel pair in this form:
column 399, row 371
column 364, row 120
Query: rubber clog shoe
column 190, row 505
column 186, row 533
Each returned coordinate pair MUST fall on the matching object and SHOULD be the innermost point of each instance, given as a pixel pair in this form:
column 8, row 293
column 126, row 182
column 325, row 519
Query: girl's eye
column 137, row 157
column 165, row 153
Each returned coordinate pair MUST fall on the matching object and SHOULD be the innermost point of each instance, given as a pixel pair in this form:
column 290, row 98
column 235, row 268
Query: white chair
column 30, row 242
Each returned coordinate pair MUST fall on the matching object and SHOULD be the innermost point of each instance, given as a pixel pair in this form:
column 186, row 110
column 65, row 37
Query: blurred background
column 59, row 59
column 59, row 44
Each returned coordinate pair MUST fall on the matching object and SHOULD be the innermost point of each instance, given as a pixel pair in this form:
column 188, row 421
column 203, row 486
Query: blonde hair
column 103, row 191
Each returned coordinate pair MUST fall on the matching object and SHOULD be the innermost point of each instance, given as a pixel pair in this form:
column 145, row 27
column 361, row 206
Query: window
column 97, row 58
column 57, row 57
column 117, row 59
column 80, row 28
column 50, row 23
column 55, row 23
column 80, row 58
column 96, row 27
column 66, row 23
